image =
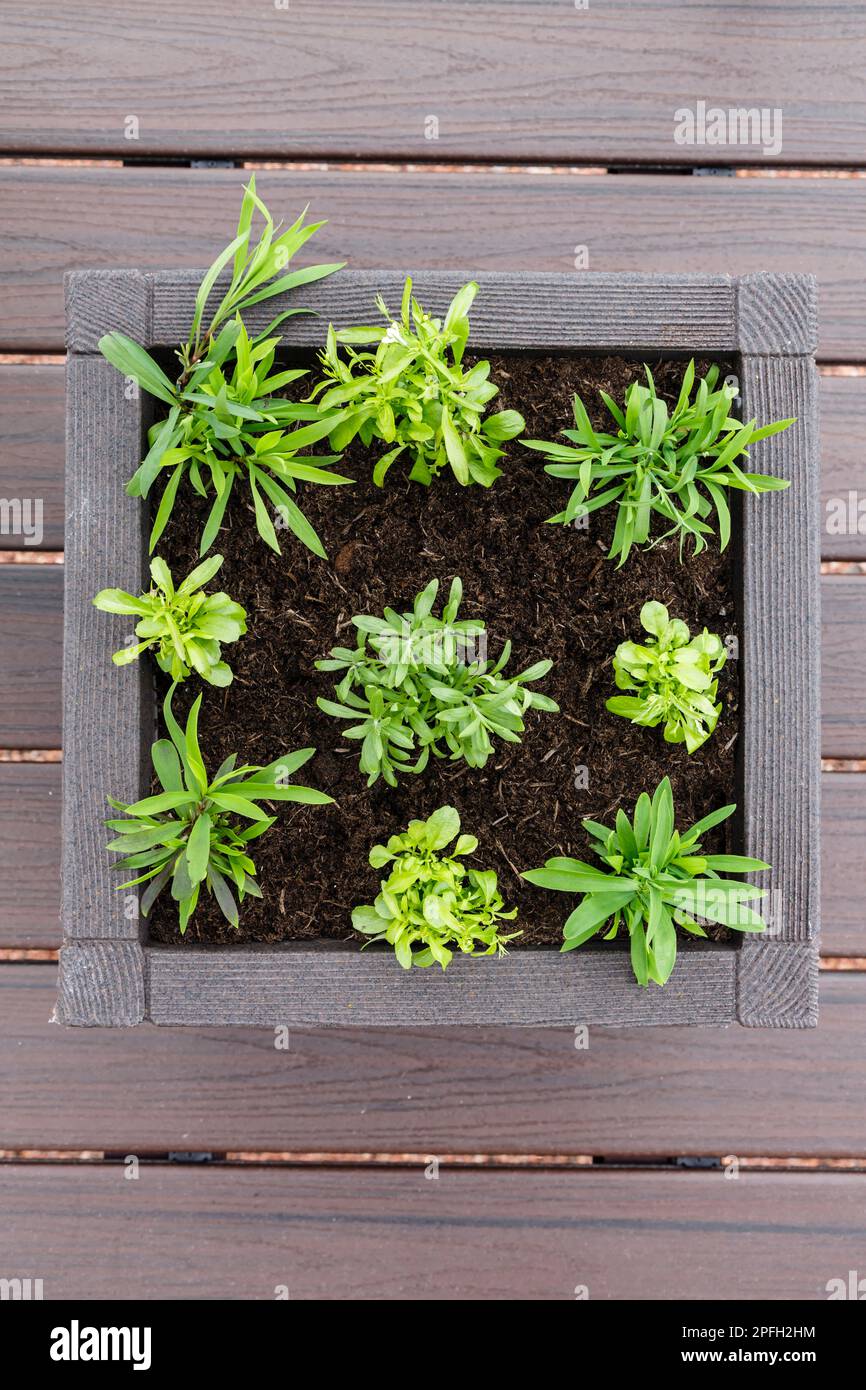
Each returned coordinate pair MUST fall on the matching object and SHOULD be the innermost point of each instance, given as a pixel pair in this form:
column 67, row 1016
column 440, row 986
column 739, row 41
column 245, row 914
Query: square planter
column 111, row 975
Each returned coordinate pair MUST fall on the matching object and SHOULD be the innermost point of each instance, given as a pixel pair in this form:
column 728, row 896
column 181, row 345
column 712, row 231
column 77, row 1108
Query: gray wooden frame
column 110, row 975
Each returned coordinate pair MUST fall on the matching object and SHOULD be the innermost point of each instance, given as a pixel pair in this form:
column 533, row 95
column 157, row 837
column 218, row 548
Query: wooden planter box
column 111, row 975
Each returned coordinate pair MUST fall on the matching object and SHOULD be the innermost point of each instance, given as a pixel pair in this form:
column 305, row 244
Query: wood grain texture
column 297, row 986
column 458, row 1090
column 843, row 467
column 100, row 984
column 486, row 220
column 31, row 462
column 506, row 81
column 383, row 1235
column 514, row 311
column 104, row 707
column 31, row 620
column 30, row 858
column 843, row 666
column 30, row 854
column 843, row 864
column 779, row 747
column 31, row 458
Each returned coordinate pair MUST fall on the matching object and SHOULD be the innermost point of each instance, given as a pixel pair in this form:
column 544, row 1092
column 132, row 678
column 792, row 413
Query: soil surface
column 547, row 588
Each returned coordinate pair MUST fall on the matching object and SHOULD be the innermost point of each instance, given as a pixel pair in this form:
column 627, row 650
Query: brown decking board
column 480, row 220
column 453, row 1090
column 534, row 81
column 241, row 1233
column 32, row 463
column 30, row 638
column 30, row 856
column 794, row 1092
column 31, row 449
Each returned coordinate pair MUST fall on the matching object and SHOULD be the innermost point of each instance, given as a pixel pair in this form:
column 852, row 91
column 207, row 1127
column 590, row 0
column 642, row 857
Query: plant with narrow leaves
column 674, row 675
column 191, row 834
column 413, row 394
column 678, row 464
column 413, row 687
column 658, row 880
column 184, row 624
column 431, row 904
column 225, row 420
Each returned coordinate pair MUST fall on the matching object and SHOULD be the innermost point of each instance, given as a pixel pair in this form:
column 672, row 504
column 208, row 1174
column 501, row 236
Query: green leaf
column 193, row 755
column 166, row 765
column 132, row 360
column 198, row 848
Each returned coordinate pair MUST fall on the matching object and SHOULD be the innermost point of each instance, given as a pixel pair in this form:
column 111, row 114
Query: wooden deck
column 554, row 133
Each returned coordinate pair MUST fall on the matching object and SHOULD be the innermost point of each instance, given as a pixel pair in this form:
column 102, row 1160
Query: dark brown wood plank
column 843, row 666
column 458, row 1090
column 30, row 633
column 29, row 854
column 179, row 217
column 383, row 1235
column 843, row 864
column 843, row 471
column 31, row 457
column 31, row 461
column 31, row 621
column 531, row 81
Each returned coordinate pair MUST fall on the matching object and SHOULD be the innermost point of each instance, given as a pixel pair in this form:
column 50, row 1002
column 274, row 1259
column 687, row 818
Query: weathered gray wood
column 124, row 305
column 513, row 310
column 249, row 1233
column 106, row 708
column 777, row 315
column 100, row 984
column 779, row 747
column 484, row 220
column 299, row 985
column 504, row 81
column 29, row 854
column 612, row 1091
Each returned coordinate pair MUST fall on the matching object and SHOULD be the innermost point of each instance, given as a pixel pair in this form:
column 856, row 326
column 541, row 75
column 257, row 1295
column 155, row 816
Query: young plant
column 412, row 687
column 678, row 464
column 224, row 420
column 185, row 625
column 658, row 880
column 431, row 905
column 673, row 674
column 413, row 394
column 191, row 834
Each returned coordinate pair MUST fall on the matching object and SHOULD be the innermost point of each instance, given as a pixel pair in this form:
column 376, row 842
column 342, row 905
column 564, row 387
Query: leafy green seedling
column 412, row 393
column 185, row 625
column 658, row 880
column 678, row 464
column 674, row 676
column 224, row 420
column 431, row 905
column 414, row 687
column 191, row 834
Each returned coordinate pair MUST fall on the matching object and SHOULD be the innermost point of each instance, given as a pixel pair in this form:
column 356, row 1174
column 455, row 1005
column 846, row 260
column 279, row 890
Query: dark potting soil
column 547, row 588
